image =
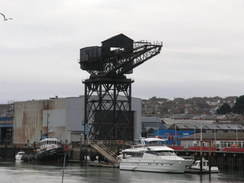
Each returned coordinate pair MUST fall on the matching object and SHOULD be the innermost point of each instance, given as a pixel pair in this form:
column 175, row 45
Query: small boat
column 19, row 155
column 49, row 151
column 151, row 155
column 195, row 168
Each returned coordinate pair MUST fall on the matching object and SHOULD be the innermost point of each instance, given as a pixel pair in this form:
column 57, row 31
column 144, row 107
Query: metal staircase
column 105, row 152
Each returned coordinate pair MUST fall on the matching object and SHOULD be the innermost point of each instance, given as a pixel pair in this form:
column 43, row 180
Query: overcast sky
column 202, row 55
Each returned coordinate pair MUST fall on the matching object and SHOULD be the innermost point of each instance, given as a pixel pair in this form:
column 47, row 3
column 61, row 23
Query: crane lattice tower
column 107, row 111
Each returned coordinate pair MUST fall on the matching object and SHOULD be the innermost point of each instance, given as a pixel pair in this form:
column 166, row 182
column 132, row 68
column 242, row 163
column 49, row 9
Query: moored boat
column 19, row 155
column 196, row 167
column 151, row 155
column 49, row 151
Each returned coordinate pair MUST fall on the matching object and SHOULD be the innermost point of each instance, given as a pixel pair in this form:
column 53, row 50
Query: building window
column 223, row 144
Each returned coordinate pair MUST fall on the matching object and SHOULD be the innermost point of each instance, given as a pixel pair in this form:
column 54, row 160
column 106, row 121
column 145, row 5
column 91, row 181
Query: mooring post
column 201, row 157
column 66, row 148
column 209, row 157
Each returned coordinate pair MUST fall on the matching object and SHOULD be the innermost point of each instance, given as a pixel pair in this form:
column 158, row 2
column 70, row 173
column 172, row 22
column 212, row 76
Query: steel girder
column 108, row 113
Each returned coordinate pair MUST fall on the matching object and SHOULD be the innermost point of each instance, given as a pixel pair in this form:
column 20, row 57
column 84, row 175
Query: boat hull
column 167, row 166
column 204, row 170
column 52, row 155
column 18, row 157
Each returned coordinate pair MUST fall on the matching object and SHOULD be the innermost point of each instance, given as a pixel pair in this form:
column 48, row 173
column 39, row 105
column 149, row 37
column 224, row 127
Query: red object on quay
column 233, row 149
column 203, row 148
column 177, row 148
column 66, row 147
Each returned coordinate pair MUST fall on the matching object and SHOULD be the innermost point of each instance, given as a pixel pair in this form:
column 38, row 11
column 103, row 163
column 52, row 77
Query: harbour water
column 19, row 172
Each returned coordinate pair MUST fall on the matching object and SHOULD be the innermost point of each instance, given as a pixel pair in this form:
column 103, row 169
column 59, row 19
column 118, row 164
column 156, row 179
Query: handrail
column 107, row 153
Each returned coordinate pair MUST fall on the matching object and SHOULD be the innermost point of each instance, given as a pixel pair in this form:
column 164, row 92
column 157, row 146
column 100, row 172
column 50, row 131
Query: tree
column 239, row 105
column 224, row 109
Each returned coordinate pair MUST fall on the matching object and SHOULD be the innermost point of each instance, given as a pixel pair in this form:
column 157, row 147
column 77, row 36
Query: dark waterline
column 18, row 172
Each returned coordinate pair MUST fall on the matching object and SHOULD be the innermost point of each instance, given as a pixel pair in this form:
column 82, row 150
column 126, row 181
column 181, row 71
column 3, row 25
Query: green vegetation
column 224, row 109
column 239, row 105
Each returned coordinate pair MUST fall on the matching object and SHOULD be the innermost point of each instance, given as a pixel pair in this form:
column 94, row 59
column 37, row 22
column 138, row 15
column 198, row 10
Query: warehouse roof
column 217, row 136
column 213, row 126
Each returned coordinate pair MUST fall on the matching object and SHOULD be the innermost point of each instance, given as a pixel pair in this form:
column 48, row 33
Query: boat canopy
column 150, row 141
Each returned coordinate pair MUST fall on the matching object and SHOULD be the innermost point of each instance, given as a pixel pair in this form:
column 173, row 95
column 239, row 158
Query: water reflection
column 19, row 172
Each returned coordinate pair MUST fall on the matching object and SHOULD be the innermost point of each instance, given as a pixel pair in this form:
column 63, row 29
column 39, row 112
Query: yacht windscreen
column 165, row 153
column 135, row 154
column 162, row 153
column 156, row 142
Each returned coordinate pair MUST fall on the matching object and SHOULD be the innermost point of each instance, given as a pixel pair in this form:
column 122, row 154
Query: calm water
column 13, row 172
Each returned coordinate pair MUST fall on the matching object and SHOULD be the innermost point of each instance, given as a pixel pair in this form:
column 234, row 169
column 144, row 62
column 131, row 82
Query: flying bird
column 4, row 17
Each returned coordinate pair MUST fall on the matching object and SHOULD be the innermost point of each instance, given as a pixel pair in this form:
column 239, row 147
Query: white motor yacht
column 152, row 155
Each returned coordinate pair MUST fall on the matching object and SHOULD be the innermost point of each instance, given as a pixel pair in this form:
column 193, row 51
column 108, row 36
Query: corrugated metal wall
column 30, row 120
column 75, row 113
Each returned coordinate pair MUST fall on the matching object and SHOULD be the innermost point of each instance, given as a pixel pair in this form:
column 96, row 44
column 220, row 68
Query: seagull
column 4, row 17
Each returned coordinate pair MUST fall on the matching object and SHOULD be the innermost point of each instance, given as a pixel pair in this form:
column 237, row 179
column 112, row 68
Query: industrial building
column 62, row 118
column 6, row 123
column 150, row 125
column 219, row 140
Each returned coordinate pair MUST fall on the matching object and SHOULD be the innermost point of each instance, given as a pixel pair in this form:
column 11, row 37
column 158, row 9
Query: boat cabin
column 197, row 163
column 148, row 147
column 151, row 141
column 21, row 153
column 49, row 143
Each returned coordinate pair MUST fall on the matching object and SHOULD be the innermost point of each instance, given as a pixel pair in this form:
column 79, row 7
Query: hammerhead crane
column 108, row 114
